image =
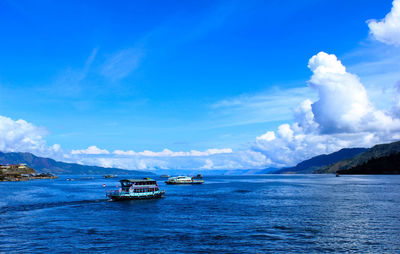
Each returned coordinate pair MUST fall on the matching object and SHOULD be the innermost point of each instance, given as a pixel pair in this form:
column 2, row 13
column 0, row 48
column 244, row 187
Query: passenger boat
column 183, row 180
column 145, row 188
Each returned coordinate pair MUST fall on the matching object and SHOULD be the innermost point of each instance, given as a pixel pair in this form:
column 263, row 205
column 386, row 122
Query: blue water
column 227, row 214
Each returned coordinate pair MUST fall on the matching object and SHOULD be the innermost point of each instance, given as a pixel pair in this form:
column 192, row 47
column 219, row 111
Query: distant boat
column 183, row 180
column 165, row 176
column 145, row 188
column 337, row 175
column 110, row 176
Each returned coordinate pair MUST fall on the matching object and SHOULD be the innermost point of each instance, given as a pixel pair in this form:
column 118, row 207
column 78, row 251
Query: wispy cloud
column 122, row 63
column 69, row 82
column 275, row 104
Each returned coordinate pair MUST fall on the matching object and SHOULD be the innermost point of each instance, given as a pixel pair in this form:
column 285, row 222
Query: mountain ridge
column 310, row 165
column 48, row 165
column 377, row 151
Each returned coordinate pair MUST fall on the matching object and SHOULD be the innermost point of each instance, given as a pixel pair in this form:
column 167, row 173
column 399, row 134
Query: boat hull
column 135, row 197
column 180, row 183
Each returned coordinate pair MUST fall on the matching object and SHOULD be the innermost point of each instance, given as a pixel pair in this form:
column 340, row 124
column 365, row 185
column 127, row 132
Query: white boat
column 183, row 180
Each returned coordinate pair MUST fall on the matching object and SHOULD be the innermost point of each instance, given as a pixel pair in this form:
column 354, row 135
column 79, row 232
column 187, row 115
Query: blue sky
column 181, row 75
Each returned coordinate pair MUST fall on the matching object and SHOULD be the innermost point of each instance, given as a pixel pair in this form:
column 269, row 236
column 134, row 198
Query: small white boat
column 183, row 180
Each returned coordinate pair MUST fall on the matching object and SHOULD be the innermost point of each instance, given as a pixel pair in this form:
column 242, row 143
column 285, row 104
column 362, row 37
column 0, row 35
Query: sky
column 198, row 84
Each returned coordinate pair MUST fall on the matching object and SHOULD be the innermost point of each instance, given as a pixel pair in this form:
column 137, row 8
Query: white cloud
column 285, row 132
column 276, row 103
column 342, row 117
column 167, row 159
column 343, row 100
column 22, row 136
column 90, row 150
column 169, row 153
column 304, row 117
column 150, row 160
column 270, row 135
column 388, row 29
column 208, row 164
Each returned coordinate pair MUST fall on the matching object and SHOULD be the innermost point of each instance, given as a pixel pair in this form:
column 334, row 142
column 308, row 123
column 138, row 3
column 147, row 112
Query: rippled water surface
column 227, row 214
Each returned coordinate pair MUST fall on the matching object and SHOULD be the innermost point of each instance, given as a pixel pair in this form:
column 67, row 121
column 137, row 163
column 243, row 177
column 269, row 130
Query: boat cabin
column 139, row 185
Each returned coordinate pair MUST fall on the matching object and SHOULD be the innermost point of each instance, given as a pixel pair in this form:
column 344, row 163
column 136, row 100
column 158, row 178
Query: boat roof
column 137, row 180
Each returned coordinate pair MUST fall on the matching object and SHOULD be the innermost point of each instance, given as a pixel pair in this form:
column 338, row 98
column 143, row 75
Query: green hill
column 386, row 165
column 310, row 165
column 378, row 151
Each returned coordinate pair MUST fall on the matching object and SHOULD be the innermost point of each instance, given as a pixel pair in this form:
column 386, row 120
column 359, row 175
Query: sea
column 226, row 214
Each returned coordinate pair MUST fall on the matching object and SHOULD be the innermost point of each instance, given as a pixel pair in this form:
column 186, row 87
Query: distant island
column 47, row 165
column 21, row 172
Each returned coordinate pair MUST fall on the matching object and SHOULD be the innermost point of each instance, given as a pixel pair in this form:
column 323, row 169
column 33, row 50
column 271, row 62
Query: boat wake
column 30, row 207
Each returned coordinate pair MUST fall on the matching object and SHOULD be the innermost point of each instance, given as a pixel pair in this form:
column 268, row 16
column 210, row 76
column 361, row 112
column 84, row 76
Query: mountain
column 269, row 170
column 47, row 165
column 310, row 165
column 376, row 152
column 386, row 165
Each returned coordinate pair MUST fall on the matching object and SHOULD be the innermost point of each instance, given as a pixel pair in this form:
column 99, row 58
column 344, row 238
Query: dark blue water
column 227, row 214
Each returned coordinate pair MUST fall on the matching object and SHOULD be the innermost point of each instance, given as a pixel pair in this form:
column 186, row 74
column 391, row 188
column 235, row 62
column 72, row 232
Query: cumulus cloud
column 387, row 30
column 169, row 153
column 149, row 160
column 22, row 136
column 343, row 101
column 270, row 135
column 342, row 117
column 90, row 150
